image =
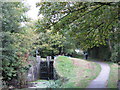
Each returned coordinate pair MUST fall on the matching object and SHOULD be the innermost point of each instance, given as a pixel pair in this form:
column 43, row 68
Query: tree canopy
column 90, row 24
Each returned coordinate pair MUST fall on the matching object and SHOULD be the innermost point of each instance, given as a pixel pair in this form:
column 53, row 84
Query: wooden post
column 48, row 65
column 38, row 59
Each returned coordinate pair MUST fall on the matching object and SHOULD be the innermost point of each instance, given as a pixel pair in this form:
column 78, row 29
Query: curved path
column 102, row 79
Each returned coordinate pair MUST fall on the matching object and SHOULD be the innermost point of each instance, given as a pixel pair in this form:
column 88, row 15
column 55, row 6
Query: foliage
column 64, row 27
column 52, row 44
column 116, row 53
column 16, row 42
column 88, row 24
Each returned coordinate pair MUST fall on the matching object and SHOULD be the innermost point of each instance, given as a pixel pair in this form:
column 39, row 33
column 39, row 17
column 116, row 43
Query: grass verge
column 113, row 78
column 79, row 72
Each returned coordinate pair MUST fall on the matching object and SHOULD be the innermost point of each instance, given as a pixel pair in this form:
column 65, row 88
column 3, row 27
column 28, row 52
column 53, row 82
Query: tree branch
column 78, row 16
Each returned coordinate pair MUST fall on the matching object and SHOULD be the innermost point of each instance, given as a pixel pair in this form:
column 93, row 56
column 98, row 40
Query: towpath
column 102, row 79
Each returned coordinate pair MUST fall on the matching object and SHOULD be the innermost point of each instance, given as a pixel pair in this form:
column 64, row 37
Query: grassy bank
column 64, row 67
column 113, row 78
column 78, row 72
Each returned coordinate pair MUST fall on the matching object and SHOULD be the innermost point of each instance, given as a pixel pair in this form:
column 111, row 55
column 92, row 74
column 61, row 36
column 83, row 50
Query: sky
column 33, row 12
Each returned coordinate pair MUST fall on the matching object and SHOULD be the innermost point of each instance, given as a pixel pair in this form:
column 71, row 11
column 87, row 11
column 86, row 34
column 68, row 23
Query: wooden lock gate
column 47, row 69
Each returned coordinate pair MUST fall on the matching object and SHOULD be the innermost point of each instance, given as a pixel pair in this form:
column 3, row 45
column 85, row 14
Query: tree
column 16, row 43
column 50, row 44
column 89, row 24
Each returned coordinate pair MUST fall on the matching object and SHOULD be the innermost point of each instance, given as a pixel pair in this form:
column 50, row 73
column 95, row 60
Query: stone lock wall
column 34, row 71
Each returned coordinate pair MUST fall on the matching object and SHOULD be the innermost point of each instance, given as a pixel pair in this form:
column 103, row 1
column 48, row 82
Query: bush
column 115, row 53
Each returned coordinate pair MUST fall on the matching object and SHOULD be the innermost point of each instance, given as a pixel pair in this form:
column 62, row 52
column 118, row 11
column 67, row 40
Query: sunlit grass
column 64, row 66
column 113, row 78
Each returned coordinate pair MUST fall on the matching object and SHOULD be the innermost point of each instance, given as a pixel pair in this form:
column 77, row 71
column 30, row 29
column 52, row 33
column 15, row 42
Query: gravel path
column 102, row 79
